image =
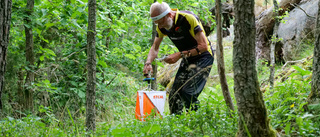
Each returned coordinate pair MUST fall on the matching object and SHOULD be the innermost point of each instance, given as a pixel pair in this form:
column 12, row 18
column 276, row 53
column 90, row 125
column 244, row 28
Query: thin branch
column 73, row 53
column 297, row 6
column 199, row 72
column 40, row 69
column 292, row 62
column 112, row 79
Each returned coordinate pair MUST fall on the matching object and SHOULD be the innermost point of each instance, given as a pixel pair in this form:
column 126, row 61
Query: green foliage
column 200, row 123
column 275, row 39
column 199, row 7
column 212, row 119
column 59, row 29
column 281, row 18
column 286, row 106
column 304, row 48
column 123, row 33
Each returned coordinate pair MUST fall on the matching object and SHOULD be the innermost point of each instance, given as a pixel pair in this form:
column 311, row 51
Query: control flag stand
column 149, row 101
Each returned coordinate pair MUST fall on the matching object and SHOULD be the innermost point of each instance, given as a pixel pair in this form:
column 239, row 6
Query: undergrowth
column 116, row 104
column 212, row 119
column 286, row 106
column 284, row 103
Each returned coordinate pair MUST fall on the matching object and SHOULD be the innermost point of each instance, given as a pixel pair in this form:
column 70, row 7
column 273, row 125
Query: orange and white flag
column 148, row 101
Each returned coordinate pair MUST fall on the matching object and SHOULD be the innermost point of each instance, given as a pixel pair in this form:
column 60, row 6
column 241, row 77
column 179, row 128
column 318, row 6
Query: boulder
column 264, row 27
column 298, row 27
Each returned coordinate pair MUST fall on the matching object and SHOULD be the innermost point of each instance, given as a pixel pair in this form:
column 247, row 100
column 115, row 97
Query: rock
column 297, row 27
column 264, row 28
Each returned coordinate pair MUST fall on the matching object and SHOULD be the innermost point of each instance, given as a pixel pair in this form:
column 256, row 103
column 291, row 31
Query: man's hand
column 173, row 58
column 147, row 68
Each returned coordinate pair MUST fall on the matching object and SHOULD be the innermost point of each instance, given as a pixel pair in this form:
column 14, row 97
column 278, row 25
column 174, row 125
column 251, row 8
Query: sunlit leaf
column 102, row 63
column 26, row 25
column 81, row 94
column 41, row 58
column 37, row 2
column 120, row 132
column 287, row 128
column 130, row 56
column 48, row 25
column 195, row 4
column 154, row 129
column 120, row 23
column 49, row 51
column 73, row 83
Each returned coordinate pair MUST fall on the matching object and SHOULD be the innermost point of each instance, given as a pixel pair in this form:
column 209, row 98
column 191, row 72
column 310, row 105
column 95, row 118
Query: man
column 186, row 32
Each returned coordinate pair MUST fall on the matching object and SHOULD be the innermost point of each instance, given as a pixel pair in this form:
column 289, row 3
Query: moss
column 273, row 132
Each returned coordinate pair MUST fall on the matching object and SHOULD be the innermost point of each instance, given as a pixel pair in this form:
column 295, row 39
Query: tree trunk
column 91, row 78
column 107, row 38
column 253, row 120
column 29, row 57
column 154, row 66
column 220, row 59
column 5, row 20
column 273, row 44
column 154, row 85
column 20, row 87
column 315, row 83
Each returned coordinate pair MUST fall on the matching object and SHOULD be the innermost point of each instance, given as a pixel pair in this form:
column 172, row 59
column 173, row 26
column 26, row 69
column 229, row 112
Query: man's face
column 165, row 22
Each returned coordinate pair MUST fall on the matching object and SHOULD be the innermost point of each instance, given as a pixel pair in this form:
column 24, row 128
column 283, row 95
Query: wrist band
column 181, row 54
column 198, row 51
column 147, row 64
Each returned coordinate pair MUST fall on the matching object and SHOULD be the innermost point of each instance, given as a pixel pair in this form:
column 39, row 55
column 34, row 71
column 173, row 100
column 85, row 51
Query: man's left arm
column 201, row 47
column 202, row 42
column 196, row 30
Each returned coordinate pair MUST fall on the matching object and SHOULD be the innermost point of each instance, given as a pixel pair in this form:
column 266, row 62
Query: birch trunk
column 273, row 44
column 220, row 59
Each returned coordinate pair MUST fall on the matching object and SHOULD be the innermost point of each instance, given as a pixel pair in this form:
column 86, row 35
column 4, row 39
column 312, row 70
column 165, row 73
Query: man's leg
column 188, row 84
column 196, row 80
column 175, row 101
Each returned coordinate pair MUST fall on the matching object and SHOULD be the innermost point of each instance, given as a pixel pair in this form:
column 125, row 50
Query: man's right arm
column 153, row 53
